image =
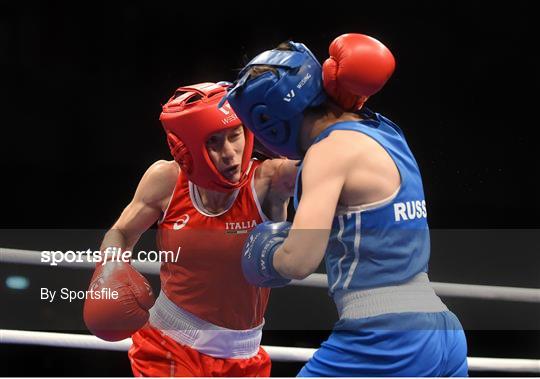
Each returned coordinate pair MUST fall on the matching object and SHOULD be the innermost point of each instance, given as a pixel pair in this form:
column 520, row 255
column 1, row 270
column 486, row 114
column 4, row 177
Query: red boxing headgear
column 189, row 118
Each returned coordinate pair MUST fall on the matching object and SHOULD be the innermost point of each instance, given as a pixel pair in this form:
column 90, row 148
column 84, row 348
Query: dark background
column 81, row 88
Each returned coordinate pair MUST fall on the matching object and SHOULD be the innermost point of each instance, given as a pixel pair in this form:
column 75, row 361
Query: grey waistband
column 416, row 295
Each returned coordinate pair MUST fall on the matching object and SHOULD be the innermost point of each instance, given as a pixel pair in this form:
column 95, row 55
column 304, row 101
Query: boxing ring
column 277, row 353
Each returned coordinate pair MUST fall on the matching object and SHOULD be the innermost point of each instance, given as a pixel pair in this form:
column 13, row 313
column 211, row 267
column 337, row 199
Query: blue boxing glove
column 258, row 254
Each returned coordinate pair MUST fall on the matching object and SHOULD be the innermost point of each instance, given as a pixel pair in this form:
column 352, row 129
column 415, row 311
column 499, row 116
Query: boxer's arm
column 116, row 319
column 323, row 177
column 150, row 200
column 275, row 186
column 284, row 178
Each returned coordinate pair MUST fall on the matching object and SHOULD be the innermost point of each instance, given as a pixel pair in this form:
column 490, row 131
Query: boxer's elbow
column 292, row 264
column 300, row 273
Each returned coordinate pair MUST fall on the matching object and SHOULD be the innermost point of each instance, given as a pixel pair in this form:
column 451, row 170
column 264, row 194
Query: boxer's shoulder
column 345, row 147
column 331, row 153
column 162, row 171
column 158, row 181
column 268, row 168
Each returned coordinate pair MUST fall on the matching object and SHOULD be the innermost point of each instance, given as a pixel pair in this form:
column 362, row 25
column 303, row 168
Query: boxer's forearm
column 301, row 253
column 116, row 238
column 277, row 211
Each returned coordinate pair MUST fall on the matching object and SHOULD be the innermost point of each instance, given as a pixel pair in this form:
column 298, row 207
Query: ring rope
column 473, row 291
column 277, row 353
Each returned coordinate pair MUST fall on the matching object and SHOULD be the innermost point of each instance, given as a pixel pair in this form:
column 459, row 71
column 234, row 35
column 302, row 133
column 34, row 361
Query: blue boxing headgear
column 271, row 105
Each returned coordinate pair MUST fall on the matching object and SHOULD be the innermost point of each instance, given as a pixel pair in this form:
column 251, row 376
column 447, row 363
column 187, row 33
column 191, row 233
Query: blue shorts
column 397, row 344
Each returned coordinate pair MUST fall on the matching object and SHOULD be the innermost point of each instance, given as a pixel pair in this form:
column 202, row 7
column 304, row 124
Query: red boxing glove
column 358, row 67
column 116, row 319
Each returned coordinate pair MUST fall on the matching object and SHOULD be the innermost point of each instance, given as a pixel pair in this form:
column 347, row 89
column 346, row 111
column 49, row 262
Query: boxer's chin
column 232, row 174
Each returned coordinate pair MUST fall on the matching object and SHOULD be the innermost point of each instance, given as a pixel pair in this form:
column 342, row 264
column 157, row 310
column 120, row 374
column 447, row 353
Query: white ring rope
column 277, row 353
column 528, row 295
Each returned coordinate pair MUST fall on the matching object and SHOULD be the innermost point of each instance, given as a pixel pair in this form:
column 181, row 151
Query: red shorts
column 155, row 354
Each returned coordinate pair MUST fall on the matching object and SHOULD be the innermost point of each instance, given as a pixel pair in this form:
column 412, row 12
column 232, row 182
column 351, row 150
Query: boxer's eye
column 264, row 117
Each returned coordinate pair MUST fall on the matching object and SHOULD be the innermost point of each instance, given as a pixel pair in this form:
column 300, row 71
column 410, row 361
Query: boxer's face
column 226, row 149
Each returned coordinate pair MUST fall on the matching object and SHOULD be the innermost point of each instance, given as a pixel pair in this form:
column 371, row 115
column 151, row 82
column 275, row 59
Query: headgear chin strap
column 271, row 105
column 189, row 118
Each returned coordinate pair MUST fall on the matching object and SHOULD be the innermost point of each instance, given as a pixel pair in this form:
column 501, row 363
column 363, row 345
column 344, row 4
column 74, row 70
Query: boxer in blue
column 359, row 204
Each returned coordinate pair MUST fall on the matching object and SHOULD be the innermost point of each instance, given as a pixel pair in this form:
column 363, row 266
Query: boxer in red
column 207, row 320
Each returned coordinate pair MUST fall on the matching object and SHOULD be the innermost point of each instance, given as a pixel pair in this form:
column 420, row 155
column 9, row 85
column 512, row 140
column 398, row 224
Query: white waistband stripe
column 187, row 329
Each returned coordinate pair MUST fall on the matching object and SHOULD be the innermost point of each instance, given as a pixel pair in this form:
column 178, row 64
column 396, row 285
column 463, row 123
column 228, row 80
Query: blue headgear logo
column 271, row 105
